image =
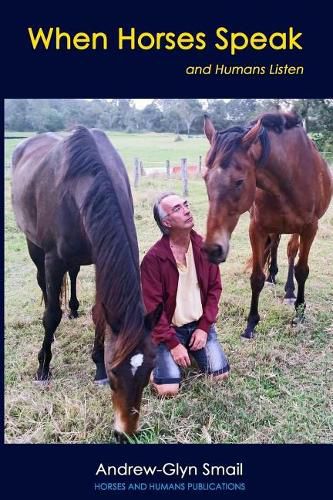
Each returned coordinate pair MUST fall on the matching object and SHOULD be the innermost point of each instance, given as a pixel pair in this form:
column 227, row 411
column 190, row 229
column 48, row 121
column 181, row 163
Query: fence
column 184, row 169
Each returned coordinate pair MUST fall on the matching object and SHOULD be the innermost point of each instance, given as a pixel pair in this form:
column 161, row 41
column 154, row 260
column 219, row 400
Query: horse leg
column 54, row 273
column 98, row 349
column 258, row 241
column 38, row 257
column 73, row 302
column 302, row 268
column 292, row 249
column 273, row 267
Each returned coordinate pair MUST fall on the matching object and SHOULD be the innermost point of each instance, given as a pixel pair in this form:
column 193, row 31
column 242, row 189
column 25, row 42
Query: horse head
column 128, row 371
column 230, row 181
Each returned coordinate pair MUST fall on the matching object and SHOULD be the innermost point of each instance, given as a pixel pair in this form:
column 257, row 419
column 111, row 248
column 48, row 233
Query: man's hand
column 198, row 340
column 180, row 356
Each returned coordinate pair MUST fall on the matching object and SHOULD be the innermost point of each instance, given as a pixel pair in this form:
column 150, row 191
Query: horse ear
column 209, row 129
column 153, row 318
column 252, row 135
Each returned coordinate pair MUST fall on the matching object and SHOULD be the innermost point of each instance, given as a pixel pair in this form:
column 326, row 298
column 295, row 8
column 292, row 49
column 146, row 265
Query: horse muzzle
column 216, row 253
column 120, row 437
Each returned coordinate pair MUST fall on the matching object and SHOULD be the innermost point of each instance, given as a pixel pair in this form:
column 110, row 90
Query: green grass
column 280, row 387
column 149, row 148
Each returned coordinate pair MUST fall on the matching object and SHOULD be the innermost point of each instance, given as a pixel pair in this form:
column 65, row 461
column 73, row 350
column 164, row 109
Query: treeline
column 181, row 116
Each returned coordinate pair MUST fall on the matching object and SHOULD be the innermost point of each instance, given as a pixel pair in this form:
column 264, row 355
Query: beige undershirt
column 188, row 300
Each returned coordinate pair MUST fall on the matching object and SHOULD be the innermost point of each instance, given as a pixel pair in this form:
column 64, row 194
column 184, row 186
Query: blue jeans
column 211, row 359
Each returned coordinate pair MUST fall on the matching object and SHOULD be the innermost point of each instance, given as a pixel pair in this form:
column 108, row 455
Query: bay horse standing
column 72, row 199
column 275, row 169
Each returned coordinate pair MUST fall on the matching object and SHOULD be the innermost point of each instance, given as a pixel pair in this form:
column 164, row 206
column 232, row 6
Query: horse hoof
column 298, row 320
column 289, row 301
column 73, row 315
column 41, row 383
column 247, row 335
column 101, row 382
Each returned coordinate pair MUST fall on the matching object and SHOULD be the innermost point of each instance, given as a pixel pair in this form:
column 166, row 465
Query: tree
column 189, row 109
column 151, row 118
column 241, row 111
column 317, row 114
column 186, row 109
column 217, row 111
column 43, row 117
column 172, row 121
column 16, row 117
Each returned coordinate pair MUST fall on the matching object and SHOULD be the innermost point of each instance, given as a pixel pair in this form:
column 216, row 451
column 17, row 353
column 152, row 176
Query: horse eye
column 239, row 183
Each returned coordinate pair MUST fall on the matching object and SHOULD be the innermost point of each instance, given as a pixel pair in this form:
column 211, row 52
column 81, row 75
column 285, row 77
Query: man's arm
column 152, row 296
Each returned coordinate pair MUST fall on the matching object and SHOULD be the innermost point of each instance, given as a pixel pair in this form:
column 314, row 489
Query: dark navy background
column 65, row 471
column 153, row 73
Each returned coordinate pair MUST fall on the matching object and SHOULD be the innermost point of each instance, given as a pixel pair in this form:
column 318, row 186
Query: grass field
column 280, row 387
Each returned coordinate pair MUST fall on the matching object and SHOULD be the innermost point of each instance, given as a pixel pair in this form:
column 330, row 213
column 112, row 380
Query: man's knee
column 167, row 390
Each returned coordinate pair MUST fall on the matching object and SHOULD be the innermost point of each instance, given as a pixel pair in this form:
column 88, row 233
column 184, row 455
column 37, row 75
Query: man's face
column 178, row 214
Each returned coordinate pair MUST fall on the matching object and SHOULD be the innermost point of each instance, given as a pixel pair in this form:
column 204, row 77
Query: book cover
column 167, row 165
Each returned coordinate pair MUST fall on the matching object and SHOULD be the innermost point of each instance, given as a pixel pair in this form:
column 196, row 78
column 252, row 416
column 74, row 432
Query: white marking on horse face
column 119, row 424
column 135, row 362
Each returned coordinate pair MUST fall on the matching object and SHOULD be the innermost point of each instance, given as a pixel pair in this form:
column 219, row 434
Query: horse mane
column 277, row 122
column 118, row 287
column 227, row 142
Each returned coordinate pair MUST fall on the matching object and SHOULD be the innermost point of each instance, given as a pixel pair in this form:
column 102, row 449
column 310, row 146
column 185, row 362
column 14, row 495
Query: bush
column 177, row 138
column 329, row 143
column 319, row 138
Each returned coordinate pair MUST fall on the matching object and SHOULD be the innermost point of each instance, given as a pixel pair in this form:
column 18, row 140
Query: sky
column 141, row 103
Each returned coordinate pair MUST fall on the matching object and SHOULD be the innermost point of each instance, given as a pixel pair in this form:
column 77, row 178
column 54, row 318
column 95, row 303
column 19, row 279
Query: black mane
column 226, row 142
column 109, row 234
column 277, row 122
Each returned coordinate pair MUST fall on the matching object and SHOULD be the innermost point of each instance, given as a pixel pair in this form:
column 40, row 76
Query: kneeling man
column 176, row 273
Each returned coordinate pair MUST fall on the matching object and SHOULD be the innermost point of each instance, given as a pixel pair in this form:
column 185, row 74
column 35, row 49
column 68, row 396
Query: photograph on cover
column 139, row 236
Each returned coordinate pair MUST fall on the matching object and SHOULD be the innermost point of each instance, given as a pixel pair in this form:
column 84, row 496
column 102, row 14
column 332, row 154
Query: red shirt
column 159, row 277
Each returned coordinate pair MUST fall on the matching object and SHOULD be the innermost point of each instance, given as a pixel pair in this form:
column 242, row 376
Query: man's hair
column 159, row 213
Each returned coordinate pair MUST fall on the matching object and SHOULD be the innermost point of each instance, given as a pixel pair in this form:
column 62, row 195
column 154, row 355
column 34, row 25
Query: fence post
column 200, row 163
column 167, row 165
column 184, row 172
column 142, row 170
column 136, row 172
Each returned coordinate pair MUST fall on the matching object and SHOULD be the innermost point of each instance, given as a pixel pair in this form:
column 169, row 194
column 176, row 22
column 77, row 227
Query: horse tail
column 267, row 255
column 63, row 291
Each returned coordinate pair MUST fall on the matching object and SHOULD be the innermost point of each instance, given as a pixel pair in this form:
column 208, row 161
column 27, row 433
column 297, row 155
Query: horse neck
column 282, row 175
column 109, row 225
column 117, row 288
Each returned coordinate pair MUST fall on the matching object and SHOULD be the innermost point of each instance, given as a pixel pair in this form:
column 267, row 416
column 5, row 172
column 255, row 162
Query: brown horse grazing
column 273, row 167
column 72, row 199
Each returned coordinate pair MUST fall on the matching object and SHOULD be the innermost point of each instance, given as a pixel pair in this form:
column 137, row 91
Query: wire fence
column 183, row 169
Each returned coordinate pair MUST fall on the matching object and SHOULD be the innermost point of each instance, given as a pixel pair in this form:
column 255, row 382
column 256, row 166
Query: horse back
column 314, row 176
column 300, row 189
column 28, row 172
